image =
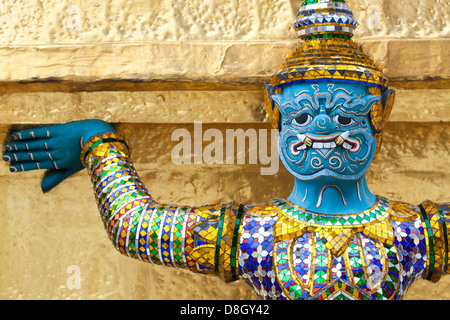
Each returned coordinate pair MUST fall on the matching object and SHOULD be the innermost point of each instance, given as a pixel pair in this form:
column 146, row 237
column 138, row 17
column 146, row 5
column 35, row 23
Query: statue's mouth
column 325, row 144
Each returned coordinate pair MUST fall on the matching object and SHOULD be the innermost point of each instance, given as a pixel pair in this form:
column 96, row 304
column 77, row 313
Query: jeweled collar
column 336, row 231
column 377, row 212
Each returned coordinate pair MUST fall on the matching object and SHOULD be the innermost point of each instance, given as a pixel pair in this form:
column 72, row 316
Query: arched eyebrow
column 284, row 106
column 291, row 108
column 305, row 97
column 350, row 93
column 342, row 96
column 351, row 102
column 312, row 102
column 339, row 88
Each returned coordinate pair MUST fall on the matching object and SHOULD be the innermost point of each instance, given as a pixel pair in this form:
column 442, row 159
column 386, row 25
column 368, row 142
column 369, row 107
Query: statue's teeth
column 318, row 145
column 326, row 145
column 345, row 135
column 347, row 146
column 301, row 137
column 341, row 139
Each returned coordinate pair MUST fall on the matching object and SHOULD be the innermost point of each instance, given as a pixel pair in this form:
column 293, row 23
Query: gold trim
column 381, row 231
column 277, row 275
column 348, row 266
column 338, row 240
column 101, row 146
column 287, row 229
column 291, row 265
column 312, row 268
column 401, row 212
column 434, row 219
column 330, row 266
column 204, row 255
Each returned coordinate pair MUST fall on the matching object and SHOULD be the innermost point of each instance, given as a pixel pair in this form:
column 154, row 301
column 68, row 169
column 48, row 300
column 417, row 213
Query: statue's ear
column 388, row 97
column 379, row 115
column 271, row 107
column 380, row 112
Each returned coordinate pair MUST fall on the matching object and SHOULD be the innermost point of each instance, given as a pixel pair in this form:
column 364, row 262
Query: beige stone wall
column 154, row 66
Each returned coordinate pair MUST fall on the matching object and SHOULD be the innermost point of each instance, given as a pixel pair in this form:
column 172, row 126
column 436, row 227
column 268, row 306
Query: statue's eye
column 303, row 120
column 345, row 121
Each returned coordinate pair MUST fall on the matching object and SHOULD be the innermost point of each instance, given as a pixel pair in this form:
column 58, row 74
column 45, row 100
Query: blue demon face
column 325, row 130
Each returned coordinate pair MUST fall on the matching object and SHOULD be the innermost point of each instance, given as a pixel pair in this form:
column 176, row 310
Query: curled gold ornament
column 379, row 115
column 380, row 112
column 272, row 109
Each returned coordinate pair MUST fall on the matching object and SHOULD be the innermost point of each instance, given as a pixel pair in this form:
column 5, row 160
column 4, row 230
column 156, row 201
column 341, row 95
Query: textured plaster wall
column 155, row 66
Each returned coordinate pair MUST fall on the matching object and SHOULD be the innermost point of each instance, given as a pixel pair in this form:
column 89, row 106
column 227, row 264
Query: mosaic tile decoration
column 327, row 53
column 281, row 250
column 202, row 239
column 333, row 18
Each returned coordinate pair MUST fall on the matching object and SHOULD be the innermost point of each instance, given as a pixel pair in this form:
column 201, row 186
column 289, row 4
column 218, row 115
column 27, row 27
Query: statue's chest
column 305, row 268
column 290, row 253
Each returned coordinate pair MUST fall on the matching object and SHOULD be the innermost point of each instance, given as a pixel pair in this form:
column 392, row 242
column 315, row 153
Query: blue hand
column 55, row 148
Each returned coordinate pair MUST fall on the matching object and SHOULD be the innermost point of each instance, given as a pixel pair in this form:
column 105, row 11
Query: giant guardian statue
column 332, row 238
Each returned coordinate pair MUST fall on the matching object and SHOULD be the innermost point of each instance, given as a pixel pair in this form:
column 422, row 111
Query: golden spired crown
column 327, row 53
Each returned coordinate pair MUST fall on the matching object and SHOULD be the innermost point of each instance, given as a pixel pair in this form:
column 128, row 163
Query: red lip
column 354, row 145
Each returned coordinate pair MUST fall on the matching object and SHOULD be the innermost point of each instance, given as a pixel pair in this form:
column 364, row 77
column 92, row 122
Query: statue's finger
column 24, row 156
column 33, row 165
column 40, row 144
column 30, row 134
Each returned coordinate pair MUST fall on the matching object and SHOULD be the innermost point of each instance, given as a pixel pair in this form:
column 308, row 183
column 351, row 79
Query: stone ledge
column 135, row 85
column 230, row 62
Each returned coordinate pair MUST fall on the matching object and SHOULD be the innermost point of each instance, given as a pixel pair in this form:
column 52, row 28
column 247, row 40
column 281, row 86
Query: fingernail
column 8, row 147
column 12, row 169
column 6, row 158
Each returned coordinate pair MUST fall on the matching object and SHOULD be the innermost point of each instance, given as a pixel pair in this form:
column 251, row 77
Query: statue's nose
column 323, row 123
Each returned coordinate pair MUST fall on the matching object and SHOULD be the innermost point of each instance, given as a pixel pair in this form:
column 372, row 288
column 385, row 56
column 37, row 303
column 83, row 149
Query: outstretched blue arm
column 55, row 148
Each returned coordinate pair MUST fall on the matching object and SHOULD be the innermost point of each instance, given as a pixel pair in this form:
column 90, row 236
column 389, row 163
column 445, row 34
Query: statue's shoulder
column 263, row 216
column 427, row 224
column 403, row 211
column 261, row 210
column 444, row 208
